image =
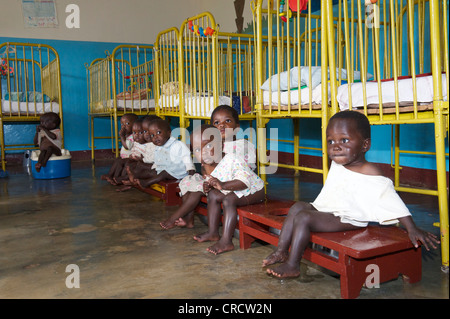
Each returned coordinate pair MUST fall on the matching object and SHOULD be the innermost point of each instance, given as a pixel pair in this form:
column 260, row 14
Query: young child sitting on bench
column 355, row 193
column 231, row 184
column 172, row 158
column 226, row 119
column 126, row 139
column 48, row 137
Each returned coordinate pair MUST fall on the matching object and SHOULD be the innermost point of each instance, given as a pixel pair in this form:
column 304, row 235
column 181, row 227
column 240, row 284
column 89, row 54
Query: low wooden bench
column 168, row 191
column 388, row 248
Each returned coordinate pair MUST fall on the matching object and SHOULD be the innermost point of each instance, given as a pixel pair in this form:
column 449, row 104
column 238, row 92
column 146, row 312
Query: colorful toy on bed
column 5, row 69
column 292, row 9
column 199, row 30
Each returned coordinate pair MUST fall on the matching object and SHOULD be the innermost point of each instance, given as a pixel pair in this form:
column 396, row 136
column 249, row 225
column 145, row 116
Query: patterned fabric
column 234, row 168
column 242, row 148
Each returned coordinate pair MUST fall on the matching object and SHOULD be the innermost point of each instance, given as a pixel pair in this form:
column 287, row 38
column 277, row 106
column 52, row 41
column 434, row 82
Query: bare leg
column 144, row 183
column 284, row 242
column 190, row 201
column 215, row 198
column 230, row 204
column 306, row 222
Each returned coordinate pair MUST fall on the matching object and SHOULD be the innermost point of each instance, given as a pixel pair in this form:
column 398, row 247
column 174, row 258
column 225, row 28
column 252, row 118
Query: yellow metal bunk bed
column 122, row 82
column 206, row 68
column 291, row 54
column 30, row 86
column 391, row 40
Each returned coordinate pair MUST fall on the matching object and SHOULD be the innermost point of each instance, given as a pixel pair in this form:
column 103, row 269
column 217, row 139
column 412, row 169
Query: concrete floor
column 121, row 252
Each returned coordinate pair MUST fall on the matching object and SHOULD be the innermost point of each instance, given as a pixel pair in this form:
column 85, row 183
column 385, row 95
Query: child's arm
column 50, row 134
column 234, row 185
column 416, row 234
column 123, row 137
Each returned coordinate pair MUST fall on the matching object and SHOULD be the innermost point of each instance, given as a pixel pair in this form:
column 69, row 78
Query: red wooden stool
column 389, row 249
column 168, row 191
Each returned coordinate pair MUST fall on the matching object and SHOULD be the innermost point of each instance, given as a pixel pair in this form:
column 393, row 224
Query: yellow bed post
column 440, row 129
column 261, row 122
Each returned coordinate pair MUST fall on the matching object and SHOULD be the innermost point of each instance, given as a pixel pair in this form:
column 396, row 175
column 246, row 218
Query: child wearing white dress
column 231, row 184
column 355, row 193
column 226, row 119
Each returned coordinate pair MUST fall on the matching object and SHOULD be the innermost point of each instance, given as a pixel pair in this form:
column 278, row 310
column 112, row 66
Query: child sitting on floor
column 126, row 139
column 142, row 155
column 226, row 119
column 48, row 138
column 231, row 184
column 172, row 158
column 355, row 193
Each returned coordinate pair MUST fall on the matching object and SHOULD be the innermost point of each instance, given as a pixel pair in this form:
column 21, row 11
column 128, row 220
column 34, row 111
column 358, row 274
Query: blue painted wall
column 75, row 54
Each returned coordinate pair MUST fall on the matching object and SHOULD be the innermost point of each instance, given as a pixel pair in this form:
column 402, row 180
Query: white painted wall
column 121, row 21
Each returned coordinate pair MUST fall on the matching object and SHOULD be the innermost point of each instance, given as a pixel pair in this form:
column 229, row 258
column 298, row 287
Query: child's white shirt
column 359, row 199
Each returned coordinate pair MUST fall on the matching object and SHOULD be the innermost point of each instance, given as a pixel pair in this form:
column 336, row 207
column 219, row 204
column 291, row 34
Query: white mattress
column 195, row 105
column 316, row 96
column 31, row 108
column 133, row 104
column 424, row 88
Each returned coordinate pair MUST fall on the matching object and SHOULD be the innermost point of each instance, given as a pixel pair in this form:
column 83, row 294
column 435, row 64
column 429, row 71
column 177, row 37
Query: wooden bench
column 389, row 248
column 168, row 191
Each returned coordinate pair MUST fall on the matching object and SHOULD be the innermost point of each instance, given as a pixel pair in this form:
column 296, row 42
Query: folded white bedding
column 133, row 104
column 14, row 107
column 316, row 96
column 424, row 89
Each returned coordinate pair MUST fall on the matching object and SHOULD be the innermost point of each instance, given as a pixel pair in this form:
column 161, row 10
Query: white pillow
column 316, row 78
column 304, row 75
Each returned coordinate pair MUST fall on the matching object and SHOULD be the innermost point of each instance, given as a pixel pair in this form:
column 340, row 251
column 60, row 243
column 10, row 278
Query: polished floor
column 52, row 230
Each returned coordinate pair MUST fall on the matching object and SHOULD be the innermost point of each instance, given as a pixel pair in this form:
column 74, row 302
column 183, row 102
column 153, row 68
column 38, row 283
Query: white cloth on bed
column 316, row 78
column 195, row 105
column 316, row 96
column 133, row 104
column 31, row 108
column 424, row 88
column 359, row 199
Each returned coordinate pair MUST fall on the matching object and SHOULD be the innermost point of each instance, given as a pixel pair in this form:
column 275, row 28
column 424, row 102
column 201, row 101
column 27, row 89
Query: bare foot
column 206, row 237
column 124, row 188
column 285, row 271
column 167, row 224
column 219, row 248
column 189, row 223
column 275, row 257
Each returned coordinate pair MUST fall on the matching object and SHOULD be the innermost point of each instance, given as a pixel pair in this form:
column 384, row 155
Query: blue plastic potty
column 57, row 166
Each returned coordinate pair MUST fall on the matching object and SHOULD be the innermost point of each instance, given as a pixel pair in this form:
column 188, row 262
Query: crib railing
column 399, row 47
column 293, row 46
column 30, row 85
column 237, row 71
column 198, row 67
column 167, row 72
